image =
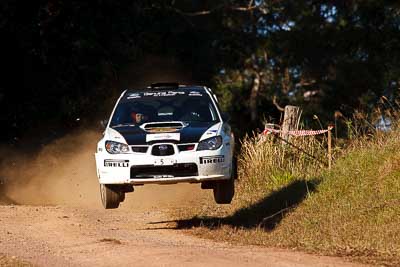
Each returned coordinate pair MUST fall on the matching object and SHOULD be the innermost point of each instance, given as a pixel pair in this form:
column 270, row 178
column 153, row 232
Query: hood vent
column 162, row 127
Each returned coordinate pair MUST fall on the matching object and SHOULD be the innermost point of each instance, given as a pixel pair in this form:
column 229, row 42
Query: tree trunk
column 286, row 81
column 253, row 96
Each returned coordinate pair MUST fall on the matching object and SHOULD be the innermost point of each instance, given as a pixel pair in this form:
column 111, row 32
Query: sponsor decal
column 163, row 176
column 116, row 163
column 195, row 93
column 163, row 93
column 165, row 113
column 212, row 159
column 163, row 136
column 210, row 132
column 133, row 95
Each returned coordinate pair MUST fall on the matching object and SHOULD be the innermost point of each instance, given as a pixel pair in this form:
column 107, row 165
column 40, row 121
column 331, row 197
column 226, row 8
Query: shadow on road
column 266, row 214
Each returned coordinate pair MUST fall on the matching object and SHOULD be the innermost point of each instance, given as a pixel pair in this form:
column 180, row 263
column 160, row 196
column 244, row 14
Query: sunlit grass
column 290, row 199
column 267, row 161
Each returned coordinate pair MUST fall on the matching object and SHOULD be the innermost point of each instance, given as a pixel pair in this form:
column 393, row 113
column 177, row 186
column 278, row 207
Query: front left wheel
column 224, row 191
column 110, row 196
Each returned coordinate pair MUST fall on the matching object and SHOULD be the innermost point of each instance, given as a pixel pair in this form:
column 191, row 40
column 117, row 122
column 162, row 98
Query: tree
column 324, row 55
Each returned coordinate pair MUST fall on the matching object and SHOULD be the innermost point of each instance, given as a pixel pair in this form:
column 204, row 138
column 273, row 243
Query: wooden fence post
column 290, row 121
column 329, row 148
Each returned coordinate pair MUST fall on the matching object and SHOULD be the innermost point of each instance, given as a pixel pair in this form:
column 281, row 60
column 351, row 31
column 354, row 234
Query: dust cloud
column 61, row 172
column 64, row 173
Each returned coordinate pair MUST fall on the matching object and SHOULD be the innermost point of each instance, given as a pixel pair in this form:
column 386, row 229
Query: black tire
column 121, row 196
column 224, row 191
column 110, row 197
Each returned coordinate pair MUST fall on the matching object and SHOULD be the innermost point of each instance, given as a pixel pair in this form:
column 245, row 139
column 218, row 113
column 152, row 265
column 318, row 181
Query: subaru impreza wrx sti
column 165, row 134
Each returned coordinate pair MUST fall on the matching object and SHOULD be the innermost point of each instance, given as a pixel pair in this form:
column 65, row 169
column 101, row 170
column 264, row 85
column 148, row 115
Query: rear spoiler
column 164, row 85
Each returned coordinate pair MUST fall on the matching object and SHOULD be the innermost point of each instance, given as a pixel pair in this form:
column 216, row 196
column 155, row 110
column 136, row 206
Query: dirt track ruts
column 67, row 236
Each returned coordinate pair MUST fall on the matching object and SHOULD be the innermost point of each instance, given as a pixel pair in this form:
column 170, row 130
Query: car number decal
column 164, row 162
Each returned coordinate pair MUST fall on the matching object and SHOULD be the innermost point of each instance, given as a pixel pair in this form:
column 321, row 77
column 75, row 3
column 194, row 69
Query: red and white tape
column 297, row 132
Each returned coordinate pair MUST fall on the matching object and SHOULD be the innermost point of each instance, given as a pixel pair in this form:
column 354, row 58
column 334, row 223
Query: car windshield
column 136, row 108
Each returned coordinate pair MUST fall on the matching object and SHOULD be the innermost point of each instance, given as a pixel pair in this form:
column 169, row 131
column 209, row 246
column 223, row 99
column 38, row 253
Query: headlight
column 116, row 148
column 212, row 143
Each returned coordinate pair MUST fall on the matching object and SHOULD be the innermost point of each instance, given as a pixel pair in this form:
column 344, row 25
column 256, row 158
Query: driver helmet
column 138, row 117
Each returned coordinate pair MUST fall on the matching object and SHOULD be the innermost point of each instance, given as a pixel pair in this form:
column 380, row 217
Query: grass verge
column 284, row 201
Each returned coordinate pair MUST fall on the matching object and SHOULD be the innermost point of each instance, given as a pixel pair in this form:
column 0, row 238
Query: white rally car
column 165, row 134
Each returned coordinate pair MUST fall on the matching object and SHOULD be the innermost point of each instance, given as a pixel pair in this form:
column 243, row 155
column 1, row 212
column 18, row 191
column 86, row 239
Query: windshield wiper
column 123, row 125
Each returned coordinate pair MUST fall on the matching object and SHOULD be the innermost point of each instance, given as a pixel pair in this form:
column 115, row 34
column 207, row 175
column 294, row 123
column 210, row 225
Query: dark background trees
column 61, row 60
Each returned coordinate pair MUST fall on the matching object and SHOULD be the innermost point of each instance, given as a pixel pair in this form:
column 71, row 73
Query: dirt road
column 68, row 236
column 57, row 220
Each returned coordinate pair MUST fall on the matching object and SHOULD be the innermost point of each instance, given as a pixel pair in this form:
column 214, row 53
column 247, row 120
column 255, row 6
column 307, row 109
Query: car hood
column 191, row 133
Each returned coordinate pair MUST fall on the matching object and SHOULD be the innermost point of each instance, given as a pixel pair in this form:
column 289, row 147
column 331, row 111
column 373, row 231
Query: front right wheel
column 110, row 196
column 224, row 191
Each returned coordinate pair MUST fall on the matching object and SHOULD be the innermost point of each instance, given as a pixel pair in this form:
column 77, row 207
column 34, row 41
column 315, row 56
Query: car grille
column 186, row 147
column 139, row 149
column 162, row 150
column 176, row 170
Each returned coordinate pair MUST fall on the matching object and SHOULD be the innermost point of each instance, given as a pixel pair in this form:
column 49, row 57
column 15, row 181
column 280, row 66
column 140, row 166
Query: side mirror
column 225, row 117
column 104, row 123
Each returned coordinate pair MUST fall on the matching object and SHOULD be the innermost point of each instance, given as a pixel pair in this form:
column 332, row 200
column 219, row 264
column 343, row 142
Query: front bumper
column 175, row 180
column 117, row 169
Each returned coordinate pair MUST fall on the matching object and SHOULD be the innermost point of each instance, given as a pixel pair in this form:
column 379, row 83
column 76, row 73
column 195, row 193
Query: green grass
column 291, row 202
column 355, row 210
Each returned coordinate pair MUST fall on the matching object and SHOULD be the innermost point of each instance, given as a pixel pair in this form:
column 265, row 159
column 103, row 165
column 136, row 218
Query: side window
column 120, row 115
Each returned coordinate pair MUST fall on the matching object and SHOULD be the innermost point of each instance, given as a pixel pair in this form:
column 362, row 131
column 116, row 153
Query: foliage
column 61, row 59
column 325, row 56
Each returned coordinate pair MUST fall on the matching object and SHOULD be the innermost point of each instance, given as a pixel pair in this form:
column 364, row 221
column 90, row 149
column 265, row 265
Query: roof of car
column 167, row 86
